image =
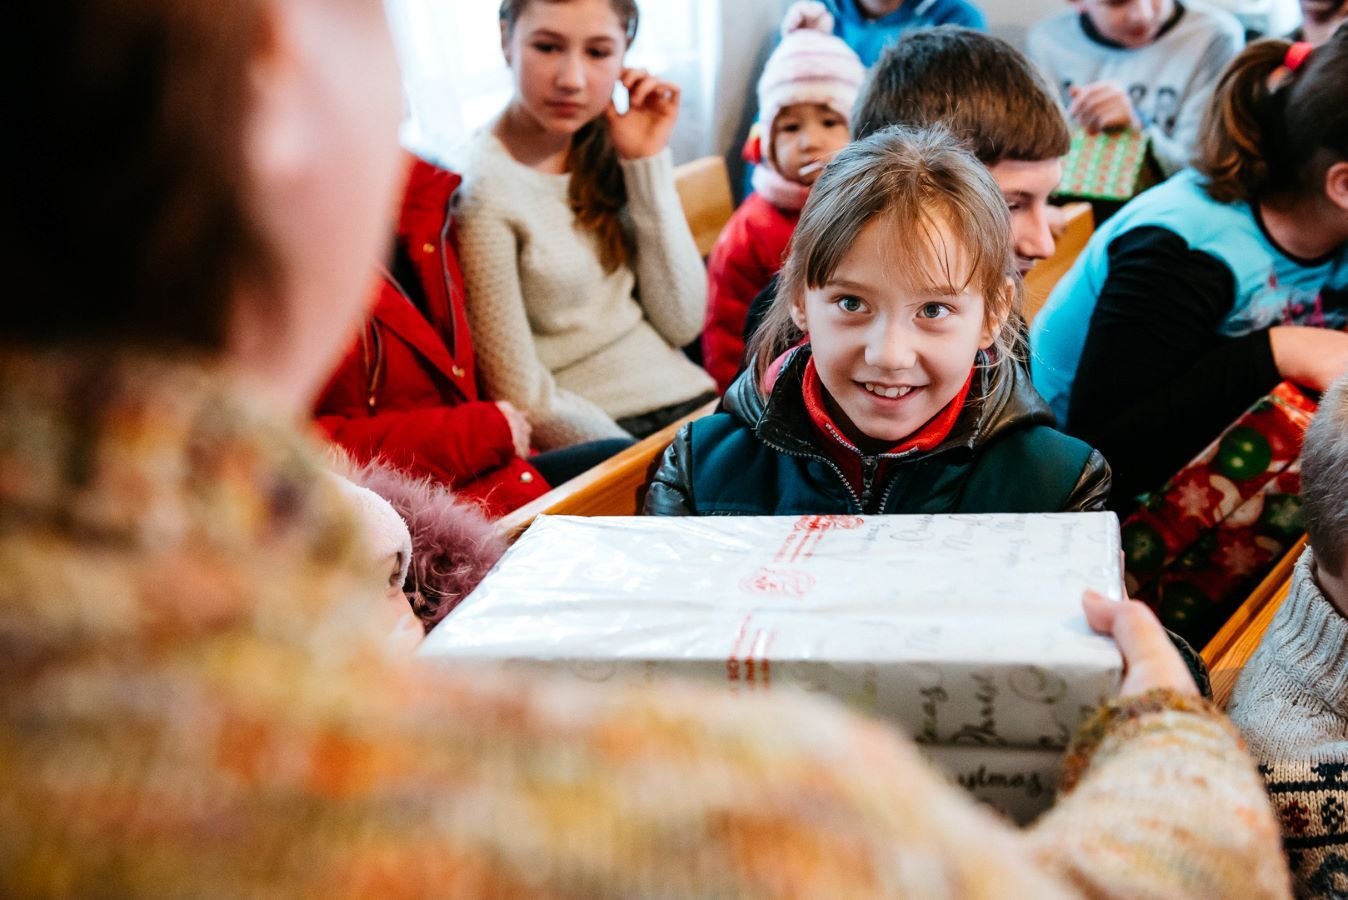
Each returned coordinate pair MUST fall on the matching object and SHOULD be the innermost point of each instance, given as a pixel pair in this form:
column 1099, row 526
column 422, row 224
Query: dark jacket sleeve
column 1091, row 492
column 670, row 492
column 1156, row 382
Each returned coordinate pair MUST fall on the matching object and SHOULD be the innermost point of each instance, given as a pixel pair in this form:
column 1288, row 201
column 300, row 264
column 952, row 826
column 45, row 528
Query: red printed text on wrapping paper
column 749, row 663
column 809, row 532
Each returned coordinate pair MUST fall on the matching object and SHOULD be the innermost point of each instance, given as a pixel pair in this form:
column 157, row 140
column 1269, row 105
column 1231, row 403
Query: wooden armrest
column 704, row 193
column 1232, row 646
column 611, row 488
column 1040, row 281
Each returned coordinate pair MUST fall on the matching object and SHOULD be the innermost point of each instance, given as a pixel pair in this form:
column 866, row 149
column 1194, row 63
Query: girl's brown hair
column 597, row 192
column 910, row 179
column 126, row 215
column 1267, row 128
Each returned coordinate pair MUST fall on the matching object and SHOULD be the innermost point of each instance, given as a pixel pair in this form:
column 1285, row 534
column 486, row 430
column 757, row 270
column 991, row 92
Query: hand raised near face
column 652, row 110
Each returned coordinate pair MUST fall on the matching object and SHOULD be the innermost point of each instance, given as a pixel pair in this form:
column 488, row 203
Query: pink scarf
column 779, row 190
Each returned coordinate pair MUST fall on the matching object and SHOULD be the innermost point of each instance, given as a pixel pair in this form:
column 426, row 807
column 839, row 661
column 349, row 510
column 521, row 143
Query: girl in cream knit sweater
column 583, row 279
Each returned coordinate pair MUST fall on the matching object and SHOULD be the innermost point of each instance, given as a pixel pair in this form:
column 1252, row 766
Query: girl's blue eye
column 850, row 304
column 933, row 311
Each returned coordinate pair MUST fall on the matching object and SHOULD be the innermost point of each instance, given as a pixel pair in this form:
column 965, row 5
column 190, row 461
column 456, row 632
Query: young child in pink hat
column 805, row 98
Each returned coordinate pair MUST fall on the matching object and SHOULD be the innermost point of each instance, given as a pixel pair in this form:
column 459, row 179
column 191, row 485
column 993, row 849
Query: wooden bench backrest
column 1232, row 646
column 1041, row 280
column 611, row 488
column 704, row 192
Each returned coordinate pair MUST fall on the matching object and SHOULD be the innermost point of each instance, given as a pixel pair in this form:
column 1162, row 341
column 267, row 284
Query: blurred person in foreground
column 196, row 695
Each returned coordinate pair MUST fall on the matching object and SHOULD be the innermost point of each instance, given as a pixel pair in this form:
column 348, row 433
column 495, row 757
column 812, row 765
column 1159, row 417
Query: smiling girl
column 885, row 378
column 583, row 279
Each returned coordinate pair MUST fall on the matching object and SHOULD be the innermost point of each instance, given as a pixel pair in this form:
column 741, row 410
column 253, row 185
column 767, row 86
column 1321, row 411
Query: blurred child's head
column 1324, row 491
column 900, row 271
column 805, row 95
column 1277, row 126
column 990, row 97
column 1131, row 24
column 1322, row 17
column 387, row 541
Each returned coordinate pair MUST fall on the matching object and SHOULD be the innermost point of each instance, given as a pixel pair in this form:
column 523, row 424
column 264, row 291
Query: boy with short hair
column 1291, row 701
column 992, row 99
column 1147, row 64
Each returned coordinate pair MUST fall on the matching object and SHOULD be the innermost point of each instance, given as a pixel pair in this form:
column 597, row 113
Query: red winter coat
column 748, row 253
column 407, row 389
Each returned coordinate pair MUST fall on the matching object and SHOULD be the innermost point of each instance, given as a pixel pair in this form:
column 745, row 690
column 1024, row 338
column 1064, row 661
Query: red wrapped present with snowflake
column 1198, row 545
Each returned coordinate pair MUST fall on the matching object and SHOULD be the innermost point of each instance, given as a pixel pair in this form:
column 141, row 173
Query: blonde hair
column 910, row 178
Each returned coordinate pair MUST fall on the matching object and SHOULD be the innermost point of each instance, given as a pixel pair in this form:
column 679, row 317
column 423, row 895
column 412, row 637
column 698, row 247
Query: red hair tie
column 1296, row 55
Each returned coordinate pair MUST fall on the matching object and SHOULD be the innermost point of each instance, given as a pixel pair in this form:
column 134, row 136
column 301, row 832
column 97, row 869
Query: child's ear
column 1336, row 185
column 995, row 321
column 505, row 43
column 798, row 315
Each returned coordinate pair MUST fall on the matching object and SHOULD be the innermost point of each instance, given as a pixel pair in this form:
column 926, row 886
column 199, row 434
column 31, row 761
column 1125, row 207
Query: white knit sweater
column 1291, row 705
column 571, row 345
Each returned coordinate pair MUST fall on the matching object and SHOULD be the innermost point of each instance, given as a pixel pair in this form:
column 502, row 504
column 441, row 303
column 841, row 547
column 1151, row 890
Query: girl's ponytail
column 597, row 192
column 1271, row 114
column 1240, row 123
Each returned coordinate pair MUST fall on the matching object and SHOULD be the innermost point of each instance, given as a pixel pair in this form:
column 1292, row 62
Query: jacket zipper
column 868, row 466
column 449, row 288
column 375, row 367
column 828, row 462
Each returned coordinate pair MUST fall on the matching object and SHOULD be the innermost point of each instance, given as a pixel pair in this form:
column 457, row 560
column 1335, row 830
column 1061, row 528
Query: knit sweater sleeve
column 671, row 282
column 1159, row 800
column 1291, row 704
column 507, row 358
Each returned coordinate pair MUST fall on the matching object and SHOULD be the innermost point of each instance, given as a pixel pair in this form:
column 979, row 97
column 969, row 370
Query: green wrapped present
column 1110, row 165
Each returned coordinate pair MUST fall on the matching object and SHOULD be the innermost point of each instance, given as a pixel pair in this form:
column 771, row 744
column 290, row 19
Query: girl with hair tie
column 583, row 279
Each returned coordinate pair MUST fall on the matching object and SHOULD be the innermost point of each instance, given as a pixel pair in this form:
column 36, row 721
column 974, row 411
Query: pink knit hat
column 810, row 65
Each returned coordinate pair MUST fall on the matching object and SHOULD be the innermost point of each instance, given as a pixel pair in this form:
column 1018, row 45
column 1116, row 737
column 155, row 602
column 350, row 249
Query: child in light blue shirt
column 868, row 26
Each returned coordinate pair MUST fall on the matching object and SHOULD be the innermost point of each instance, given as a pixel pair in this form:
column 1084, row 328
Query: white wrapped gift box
column 1018, row 783
column 963, row 629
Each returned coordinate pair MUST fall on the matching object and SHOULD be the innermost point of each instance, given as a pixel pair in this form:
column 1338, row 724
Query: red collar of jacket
column 847, row 455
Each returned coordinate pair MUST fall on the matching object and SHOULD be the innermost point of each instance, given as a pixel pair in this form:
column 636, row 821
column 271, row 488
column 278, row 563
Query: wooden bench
column 704, row 193
column 1229, row 650
column 1039, row 283
column 612, row 488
